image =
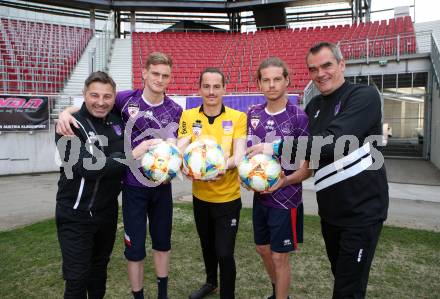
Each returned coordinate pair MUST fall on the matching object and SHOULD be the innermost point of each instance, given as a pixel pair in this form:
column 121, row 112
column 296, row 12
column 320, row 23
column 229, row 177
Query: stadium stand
column 238, row 54
column 38, row 57
column 379, row 39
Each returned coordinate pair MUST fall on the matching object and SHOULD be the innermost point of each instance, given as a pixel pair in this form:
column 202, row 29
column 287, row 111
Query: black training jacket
column 91, row 188
column 349, row 193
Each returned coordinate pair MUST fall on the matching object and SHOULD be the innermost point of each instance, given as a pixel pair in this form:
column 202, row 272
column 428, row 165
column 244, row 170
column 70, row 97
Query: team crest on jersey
column 227, row 126
column 337, row 108
column 197, row 128
column 133, row 109
column 117, row 129
column 286, row 128
column 255, row 120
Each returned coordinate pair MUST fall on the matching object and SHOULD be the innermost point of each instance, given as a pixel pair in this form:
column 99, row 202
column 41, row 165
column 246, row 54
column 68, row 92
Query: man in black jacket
column 89, row 184
column 350, row 179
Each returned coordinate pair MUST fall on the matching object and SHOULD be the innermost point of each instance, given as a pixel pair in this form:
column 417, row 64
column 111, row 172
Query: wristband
column 277, row 146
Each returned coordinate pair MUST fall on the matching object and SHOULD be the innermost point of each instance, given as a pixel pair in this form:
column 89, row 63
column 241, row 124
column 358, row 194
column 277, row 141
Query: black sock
column 273, row 290
column 162, row 287
column 139, row 294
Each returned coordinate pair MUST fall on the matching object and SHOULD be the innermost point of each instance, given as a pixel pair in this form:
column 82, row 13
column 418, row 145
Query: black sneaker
column 204, row 291
column 271, row 297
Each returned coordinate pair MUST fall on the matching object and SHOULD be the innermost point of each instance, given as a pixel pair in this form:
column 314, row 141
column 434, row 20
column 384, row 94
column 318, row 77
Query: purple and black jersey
column 146, row 121
column 267, row 127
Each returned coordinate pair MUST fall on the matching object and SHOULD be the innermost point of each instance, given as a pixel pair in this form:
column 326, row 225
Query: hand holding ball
column 259, row 172
column 161, row 162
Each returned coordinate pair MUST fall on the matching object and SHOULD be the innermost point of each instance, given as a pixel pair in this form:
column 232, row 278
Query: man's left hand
column 261, row 148
column 281, row 183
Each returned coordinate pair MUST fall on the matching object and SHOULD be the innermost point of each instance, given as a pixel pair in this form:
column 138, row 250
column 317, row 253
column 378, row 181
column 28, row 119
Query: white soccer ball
column 259, row 172
column 203, row 160
column 161, row 162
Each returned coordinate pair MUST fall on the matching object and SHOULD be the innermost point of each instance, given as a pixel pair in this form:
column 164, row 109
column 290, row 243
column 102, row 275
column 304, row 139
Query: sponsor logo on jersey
column 183, row 128
column 133, row 109
column 234, row 222
column 165, row 119
column 286, row 128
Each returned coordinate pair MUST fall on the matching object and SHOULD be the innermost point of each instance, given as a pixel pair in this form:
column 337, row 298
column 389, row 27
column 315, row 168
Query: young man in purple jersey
column 350, row 179
column 147, row 114
column 278, row 212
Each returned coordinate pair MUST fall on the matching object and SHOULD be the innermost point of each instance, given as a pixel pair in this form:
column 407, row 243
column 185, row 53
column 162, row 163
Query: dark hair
column 155, row 58
column 273, row 61
column 101, row 77
column 212, row 70
column 334, row 48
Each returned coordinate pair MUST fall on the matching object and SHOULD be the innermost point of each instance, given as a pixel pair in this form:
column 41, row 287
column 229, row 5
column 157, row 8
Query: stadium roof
column 173, row 5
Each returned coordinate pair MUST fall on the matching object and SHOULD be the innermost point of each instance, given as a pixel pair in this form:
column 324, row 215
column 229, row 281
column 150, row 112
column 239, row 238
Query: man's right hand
column 65, row 120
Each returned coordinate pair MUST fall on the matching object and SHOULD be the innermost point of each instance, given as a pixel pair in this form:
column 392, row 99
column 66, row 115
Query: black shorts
column 140, row 204
column 281, row 228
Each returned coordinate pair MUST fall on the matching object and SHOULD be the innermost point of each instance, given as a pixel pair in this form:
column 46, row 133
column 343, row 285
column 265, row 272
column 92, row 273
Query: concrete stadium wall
column 27, row 153
column 435, row 125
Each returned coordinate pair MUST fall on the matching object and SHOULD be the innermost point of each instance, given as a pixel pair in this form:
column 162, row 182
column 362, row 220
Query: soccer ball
column 259, row 172
column 203, row 160
column 161, row 162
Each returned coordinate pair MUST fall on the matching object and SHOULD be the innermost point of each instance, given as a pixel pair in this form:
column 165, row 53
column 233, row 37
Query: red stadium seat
column 238, row 55
column 44, row 54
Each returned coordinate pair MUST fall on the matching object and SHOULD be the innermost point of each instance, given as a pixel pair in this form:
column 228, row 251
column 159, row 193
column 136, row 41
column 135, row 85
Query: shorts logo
column 360, row 255
column 127, row 240
column 287, row 242
column 234, row 222
column 133, row 110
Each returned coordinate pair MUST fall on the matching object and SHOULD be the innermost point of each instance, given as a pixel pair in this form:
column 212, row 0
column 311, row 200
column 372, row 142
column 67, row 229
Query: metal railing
column 38, row 57
column 365, row 49
column 103, row 45
column 435, row 58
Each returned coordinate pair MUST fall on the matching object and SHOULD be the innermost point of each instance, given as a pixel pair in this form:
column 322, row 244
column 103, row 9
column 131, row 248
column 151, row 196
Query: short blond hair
column 155, row 58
